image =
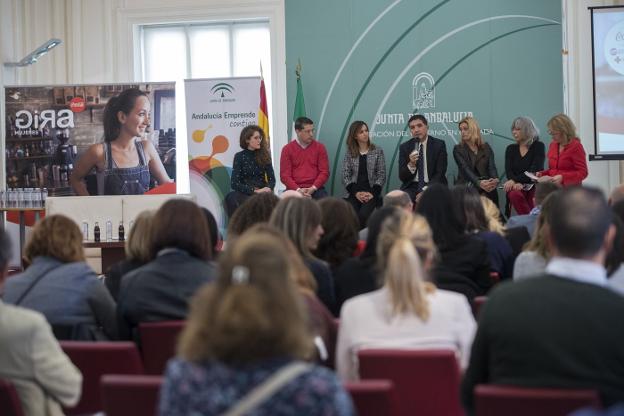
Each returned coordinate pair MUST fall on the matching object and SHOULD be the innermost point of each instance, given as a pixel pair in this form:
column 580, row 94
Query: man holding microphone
column 422, row 159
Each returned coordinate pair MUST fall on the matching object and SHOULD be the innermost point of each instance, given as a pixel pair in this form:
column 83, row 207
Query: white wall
column 99, row 38
column 579, row 95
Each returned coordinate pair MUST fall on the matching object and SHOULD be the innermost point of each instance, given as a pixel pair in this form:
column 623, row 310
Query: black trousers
column 363, row 211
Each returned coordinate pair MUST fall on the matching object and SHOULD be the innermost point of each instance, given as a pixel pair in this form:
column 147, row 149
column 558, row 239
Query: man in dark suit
column 563, row 329
column 422, row 159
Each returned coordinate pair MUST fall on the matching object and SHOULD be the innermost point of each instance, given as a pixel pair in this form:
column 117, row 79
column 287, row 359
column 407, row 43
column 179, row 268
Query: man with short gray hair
column 396, row 198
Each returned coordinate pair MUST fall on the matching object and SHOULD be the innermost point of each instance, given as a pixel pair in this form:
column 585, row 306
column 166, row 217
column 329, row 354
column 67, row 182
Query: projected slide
column 608, row 58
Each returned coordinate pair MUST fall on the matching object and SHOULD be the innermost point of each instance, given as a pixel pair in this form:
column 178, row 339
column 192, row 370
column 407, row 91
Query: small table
column 22, row 221
column 112, row 251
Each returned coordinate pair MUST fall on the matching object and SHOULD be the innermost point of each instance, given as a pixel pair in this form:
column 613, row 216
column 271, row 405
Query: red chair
column 10, row 404
column 158, row 344
column 493, row 400
column 124, row 395
column 373, row 397
column 426, row 382
column 94, row 359
column 477, row 304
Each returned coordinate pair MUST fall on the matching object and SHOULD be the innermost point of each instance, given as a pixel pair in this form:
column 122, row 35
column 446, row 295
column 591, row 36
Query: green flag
column 300, row 110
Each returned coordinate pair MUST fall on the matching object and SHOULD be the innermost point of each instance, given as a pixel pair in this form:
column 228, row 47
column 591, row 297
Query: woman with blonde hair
column 567, row 162
column 533, row 259
column 246, row 331
column 408, row 312
column 475, row 160
column 61, row 285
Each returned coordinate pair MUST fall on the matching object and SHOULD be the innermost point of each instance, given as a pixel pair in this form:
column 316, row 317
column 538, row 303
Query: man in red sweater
column 304, row 166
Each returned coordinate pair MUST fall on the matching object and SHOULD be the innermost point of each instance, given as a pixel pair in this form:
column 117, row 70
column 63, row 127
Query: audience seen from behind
column 565, row 328
column 464, row 264
column 247, row 332
column 363, row 172
column 59, row 283
column 526, row 155
column 567, row 162
column 532, row 261
column 340, row 232
column 395, row 198
column 516, row 238
column 408, row 312
column 542, row 190
column 215, row 235
column 615, row 260
column 137, row 250
column 475, row 160
column 359, row 275
column 257, row 209
column 320, row 319
column 471, row 213
column 30, row 356
column 300, row 220
column 181, row 251
column 252, row 170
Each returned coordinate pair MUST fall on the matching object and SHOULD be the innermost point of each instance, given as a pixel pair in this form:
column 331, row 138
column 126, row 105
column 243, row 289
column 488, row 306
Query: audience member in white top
column 407, row 312
column 532, row 261
column 31, row 358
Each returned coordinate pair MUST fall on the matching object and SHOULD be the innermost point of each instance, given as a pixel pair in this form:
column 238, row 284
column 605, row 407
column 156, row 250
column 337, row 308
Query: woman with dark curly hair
column 258, row 208
column 252, row 171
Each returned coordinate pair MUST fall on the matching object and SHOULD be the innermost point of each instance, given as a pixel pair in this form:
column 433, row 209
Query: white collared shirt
column 583, row 271
column 423, row 155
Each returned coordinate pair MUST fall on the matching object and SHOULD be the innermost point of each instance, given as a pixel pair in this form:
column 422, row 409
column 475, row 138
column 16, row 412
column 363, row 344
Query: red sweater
column 571, row 164
column 302, row 168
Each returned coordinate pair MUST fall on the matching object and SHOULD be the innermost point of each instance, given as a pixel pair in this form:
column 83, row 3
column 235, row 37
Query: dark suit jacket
column 550, row 332
column 436, row 161
column 484, row 165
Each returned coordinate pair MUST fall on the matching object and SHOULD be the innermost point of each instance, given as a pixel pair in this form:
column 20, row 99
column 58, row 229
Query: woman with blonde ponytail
column 408, row 312
column 246, row 332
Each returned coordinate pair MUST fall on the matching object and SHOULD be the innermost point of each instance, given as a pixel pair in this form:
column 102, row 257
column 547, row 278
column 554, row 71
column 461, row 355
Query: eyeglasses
column 309, row 131
column 259, row 138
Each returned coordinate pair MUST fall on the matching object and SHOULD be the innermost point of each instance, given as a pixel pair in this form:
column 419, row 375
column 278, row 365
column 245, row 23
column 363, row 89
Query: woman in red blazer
column 567, row 163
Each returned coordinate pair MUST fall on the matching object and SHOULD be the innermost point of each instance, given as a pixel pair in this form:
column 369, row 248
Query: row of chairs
column 394, row 383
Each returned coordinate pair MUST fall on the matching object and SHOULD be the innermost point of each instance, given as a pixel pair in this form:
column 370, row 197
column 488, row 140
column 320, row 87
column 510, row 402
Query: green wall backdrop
column 361, row 59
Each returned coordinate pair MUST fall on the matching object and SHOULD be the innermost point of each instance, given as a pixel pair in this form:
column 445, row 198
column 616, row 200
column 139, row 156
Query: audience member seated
column 359, row 275
column 408, row 312
column 137, row 250
column 363, row 172
column 31, row 358
column 464, row 264
column 616, row 195
column 300, row 220
column 256, row 209
column 252, row 170
column 340, row 232
column 532, row 261
column 395, row 198
column 542, row 190
column 244, row 332
column 615, row 259
column 471, row 213
column 526, row 155
column 320, row 319
column 181, row 251
column 215, row 235
column 564, row 329
column 60, row 285
column 516, row 237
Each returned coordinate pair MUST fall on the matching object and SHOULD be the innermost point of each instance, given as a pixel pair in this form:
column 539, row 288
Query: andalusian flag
column 263, row 113
column 300, row 110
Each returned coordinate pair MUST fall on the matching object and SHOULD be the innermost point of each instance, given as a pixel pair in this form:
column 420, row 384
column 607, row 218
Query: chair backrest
column 124, row 395
column 493, row 400
column 10, row 404
column 158, row 343
column 94, row 359
column 477, row 304
column 426, row 381
column 373, row 397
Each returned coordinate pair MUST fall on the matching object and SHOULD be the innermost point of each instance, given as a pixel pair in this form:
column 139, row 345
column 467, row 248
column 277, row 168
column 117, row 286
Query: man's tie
column 420, row 168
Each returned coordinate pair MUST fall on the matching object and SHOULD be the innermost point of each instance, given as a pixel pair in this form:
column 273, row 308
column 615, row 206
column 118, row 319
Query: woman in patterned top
column 243, row 330
column 252, row 171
